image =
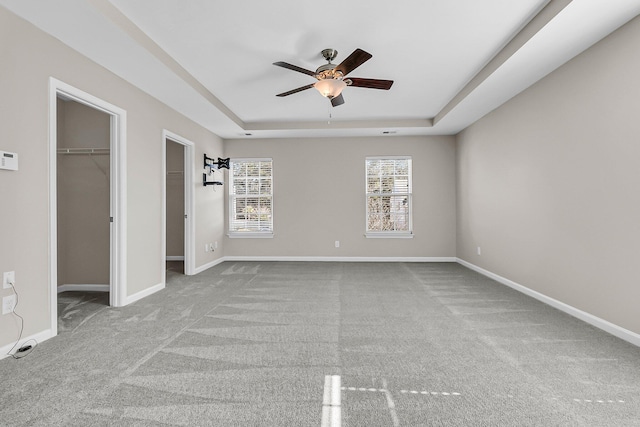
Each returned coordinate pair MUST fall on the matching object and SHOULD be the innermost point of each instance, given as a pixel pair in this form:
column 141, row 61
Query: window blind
column 388, row 191
column 251, row 196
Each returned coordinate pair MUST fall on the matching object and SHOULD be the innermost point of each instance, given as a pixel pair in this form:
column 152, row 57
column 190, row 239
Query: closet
column 83, row 202
column 175, row 185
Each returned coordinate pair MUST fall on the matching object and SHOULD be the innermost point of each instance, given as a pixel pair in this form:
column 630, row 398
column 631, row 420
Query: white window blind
column 251, row 196
column 388, row 188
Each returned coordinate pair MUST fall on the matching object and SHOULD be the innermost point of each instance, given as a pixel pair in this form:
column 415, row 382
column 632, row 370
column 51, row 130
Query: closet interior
column 83, row 210
column 175, row 190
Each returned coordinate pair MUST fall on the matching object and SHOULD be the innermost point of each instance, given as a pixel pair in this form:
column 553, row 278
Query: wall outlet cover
column 8, row 304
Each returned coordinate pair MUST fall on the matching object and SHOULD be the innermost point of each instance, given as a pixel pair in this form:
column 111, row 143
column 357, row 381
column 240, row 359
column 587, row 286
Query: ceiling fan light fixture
column 330, row 88
column 332, row 79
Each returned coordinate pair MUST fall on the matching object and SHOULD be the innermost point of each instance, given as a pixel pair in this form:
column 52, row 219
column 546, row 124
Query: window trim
column 370, row 234
column 234, row 234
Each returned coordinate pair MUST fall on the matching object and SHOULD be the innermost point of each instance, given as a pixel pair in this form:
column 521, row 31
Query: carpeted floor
column 250, row 344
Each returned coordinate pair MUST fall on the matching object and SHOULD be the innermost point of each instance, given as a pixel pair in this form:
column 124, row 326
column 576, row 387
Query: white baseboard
column 599, row 323
column 143, row 293
column 321, row 259
column 209, row 265
column 39, row 337
column 83, row 288
column 339, row 259
column 174, row 258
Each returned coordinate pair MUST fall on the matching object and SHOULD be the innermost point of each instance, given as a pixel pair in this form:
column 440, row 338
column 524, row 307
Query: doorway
column 83, row 210
column 178, row 216
column 175, row 208
column 87, row 197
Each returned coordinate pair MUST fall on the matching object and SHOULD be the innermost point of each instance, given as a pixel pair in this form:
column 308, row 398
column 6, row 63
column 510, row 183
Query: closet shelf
column 83, row 151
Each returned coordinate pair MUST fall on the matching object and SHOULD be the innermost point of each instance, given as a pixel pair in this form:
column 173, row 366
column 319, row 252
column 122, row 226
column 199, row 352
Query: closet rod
column 83, row 151
column 174, row 172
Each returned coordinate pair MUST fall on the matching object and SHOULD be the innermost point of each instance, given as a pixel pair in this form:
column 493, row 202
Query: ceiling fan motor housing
column 329, row 54
column 326, row 67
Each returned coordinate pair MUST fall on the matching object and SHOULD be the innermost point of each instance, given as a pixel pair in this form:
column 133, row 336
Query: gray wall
column 319, row 197
column 549, row 184
column 29, row 57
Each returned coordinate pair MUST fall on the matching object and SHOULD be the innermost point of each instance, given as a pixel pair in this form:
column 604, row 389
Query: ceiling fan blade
column 371, row 83
column 353, row 61
column 294, row 68
column 300, row 89
column 337, row 100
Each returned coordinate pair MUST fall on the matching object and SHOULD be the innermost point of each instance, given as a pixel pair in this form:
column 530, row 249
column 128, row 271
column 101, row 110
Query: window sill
column 250, row 235
column 388, row 235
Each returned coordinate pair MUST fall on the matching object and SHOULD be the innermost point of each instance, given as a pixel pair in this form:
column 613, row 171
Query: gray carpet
column 250, row 344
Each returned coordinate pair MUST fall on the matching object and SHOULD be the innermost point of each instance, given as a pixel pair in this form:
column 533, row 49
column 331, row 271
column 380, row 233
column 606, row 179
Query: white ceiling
column 212, row 61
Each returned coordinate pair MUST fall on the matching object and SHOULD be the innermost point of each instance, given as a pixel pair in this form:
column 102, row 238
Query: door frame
column 117, row 196
column 189, row 208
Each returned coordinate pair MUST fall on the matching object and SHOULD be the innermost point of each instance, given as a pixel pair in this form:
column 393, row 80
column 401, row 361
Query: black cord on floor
column 29, row 345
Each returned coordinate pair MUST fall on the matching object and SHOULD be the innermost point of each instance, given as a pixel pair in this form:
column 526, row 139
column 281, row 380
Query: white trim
column 174, row 258
column 252, row 159
column 388, row 157
column 38, row 337
column 388, row 235
column 144, row 293
column 189, row 203
column 209, row 265
column 339, row 259
column 118, row 194
column 53, row 207
column 249, row 235
column 118, row 206
column 83, row 288
column 321, row 259
column 605, row 325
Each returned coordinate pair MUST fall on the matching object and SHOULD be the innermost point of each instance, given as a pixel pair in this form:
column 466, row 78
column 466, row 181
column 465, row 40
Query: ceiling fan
column 332, row 78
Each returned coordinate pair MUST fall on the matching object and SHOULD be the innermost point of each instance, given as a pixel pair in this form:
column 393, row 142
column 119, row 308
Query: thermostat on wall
column 8, row 160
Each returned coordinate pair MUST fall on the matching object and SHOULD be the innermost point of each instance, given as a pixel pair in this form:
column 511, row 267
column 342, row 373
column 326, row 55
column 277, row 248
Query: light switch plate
column 8, row 304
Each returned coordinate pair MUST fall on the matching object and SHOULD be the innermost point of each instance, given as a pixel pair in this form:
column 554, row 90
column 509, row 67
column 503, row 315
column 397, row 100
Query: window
column 251, row 198
column 388, row 187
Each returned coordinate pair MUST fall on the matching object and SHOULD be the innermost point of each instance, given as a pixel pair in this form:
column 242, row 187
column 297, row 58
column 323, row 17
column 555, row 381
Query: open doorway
column 83, row 211
column 87, row 201
column 178, row 205
column 175, row 207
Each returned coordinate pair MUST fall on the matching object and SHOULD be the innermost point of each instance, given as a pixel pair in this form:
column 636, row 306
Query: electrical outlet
column 206, row 247
column 215, row 245
column 337, row 243
column 479, row 251
column 8, row 304
column 8, row 278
